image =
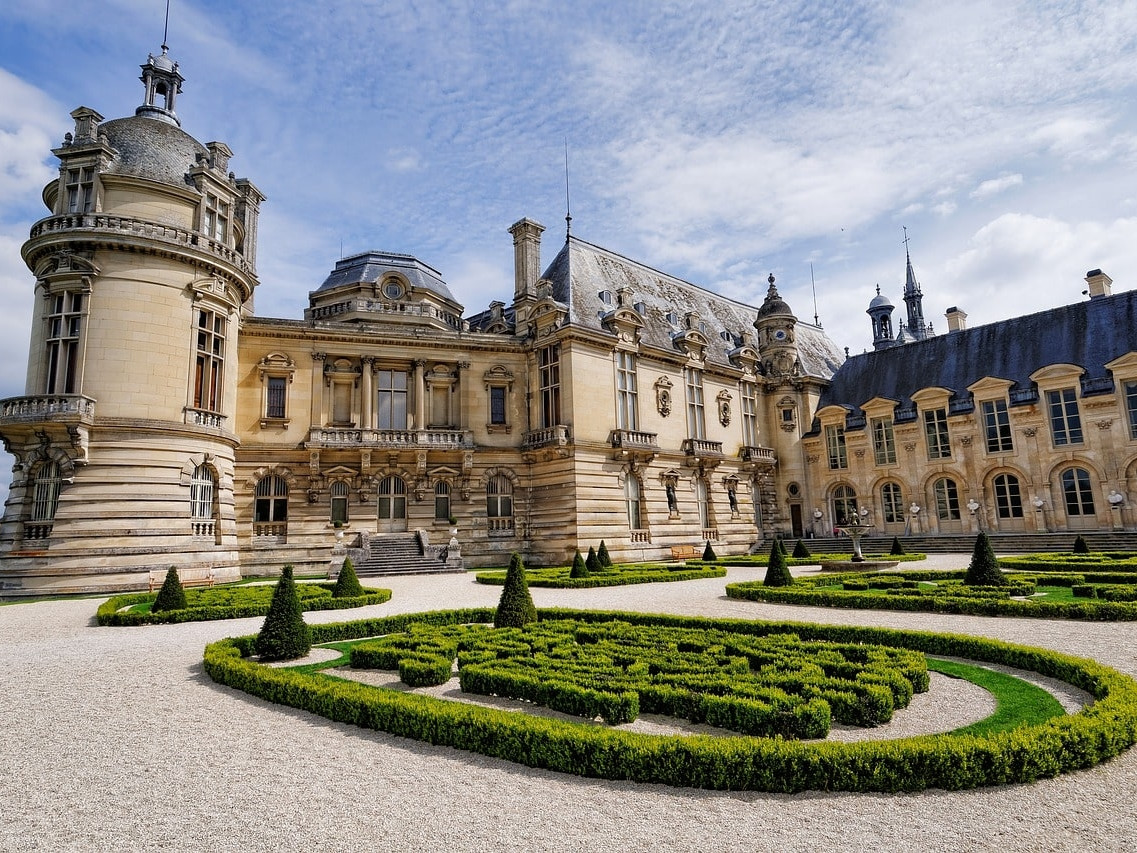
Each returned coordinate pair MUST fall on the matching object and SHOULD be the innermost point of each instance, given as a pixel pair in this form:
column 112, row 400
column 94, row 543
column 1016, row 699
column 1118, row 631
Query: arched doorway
column 392, row 506
column 843, row 503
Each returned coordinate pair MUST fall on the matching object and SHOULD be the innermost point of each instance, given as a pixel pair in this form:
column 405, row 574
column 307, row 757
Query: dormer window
column 606, row 297
column 80, row 190
column 216, row 217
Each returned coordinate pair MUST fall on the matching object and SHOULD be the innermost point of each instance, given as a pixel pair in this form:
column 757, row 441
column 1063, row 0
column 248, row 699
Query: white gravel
column 114, row 738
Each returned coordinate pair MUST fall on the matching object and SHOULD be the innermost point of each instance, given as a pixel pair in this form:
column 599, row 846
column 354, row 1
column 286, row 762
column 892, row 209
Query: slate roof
column 582, row 271
column 369, row 267
column 152, row 149
column 1087, row 334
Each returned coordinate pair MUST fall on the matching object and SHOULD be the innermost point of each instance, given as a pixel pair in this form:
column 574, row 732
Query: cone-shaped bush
column 579, row 567
column 777, row 572
column 800, row 551
column 284, row 635
column 515, row 609
column 592, row 562
column 347, row 584
column 709, row 553
column 897, row 550
column 782, row 546
column 171, row 596
column 1080, row 546
column 984, row 568
column 602, row 556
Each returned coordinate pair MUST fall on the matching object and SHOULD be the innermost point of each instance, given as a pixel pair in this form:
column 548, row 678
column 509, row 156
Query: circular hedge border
column 1098, row 732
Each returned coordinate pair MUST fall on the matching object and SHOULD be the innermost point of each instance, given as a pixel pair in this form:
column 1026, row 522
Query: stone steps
column 399, row 554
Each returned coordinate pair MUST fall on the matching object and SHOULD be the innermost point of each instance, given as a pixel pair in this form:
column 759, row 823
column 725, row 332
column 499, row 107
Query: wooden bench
column 188, row 578
column 685, row 552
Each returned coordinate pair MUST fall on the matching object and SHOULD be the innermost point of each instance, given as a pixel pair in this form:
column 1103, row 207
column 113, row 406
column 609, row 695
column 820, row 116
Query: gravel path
column 114, row 738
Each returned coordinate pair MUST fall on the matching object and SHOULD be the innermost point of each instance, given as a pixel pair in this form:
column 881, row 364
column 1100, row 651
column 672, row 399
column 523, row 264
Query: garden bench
column 188, row 578
column 684, row 552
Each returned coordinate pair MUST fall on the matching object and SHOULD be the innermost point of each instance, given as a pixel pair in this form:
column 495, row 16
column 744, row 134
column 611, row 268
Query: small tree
column 1080, row 546
column 579, row 567
column 592, row 562
column 777, row 572
column 800, row 551
column 171, row 596
column 897, row 549
column 709, row 553
column 347, row 584
column 782, row 546
column 984, row 568
column 515, row 608
column 602, row 556
column 284, row 635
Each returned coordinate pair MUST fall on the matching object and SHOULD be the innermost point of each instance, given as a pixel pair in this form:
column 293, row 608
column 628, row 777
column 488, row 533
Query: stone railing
column 66, row 408
column 630, row 439
column 277, row 531
column 701, row 447
column 36, row 530
column 424, row 438
column 201, row 417
column 760, row 455
column 126, row 225
column 203, row 529
column 554, row 436
column 710, row 534
column 499, row 526
column 374, row 306
column 641, row 536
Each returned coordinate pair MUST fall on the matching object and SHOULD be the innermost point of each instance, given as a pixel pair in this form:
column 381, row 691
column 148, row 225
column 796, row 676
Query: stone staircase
column 399, row 554
column 964, row 543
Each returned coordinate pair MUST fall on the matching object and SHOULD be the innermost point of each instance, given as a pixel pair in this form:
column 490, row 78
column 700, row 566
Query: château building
column 164, row 423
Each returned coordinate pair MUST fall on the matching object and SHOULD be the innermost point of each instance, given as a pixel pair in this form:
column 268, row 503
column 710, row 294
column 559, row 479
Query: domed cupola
column 880, row 311
column 776, row 338
column 163, row 83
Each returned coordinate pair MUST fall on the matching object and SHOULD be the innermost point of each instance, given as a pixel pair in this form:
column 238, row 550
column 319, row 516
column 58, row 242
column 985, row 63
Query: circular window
column 392, row 290
column 794, row 489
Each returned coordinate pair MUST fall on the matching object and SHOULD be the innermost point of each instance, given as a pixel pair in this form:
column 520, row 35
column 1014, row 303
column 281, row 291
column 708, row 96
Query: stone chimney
column 956, row 320
column 1099, row 283
column 526, row 257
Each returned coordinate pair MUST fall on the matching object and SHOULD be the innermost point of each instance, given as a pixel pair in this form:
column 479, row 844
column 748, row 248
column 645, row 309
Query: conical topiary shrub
column 897, row 550
column 171, row 596
column 284, row 635
column 602, row 556
column 1080, row 546
column 515, row 608
column 777, row 572
column 347, row 584
column 579, row 567
column 984, row 569
column 592, row 562
column 782, row 546
column 709, row 553
column 800, row 551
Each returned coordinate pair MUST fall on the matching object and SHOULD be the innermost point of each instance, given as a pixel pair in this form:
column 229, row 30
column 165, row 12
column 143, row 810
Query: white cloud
column 994, row 186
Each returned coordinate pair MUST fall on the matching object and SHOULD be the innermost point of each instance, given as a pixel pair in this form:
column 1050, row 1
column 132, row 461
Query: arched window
column 1077, row 491
column 442, row 500
column 499, row 503
column 45, row 493
column 202, row 487
column 339, row 493
column 892, row 501
column 632, row 501
column 392, row 499
column 844, row 505
column 271, row 499
column 947, row 499
column 1008, row 497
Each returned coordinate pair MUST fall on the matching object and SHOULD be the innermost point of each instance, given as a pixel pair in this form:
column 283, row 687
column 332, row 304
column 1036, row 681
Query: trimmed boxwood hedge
column 617, row 575
column 312, row 597
column 762, row 560
column 1098, row 732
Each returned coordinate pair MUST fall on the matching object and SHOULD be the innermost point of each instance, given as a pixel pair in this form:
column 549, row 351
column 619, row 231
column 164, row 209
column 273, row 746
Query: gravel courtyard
column 114, row 738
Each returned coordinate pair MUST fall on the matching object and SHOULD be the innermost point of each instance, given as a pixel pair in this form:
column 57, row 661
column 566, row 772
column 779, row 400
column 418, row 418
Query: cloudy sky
column 717, row 142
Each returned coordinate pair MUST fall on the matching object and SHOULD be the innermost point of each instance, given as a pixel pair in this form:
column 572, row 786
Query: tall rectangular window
column 835, row 445
column 274, row 404
column 63, row 326
column 936, row 433
column 749, row 414
column 497, row 404
column 883, row 441
column 1065, row 421
column 1131, row 407
column 392, row 398
column 216, row 217
column 997, row 426
column 627, row 408
column 549, row 382
column 80, row 190
column 696, row 417
column 209, row 367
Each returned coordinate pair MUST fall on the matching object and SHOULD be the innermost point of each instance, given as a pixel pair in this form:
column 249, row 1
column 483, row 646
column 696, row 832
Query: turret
column 880, row 311
column 776, row 326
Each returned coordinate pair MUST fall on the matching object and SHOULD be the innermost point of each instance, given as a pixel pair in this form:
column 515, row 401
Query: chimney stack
column 956, row 320
column 526, row 258
column 1099, row 284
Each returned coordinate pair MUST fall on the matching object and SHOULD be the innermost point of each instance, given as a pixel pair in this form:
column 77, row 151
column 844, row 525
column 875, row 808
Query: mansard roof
column 370, row 267
column 1087, row 334
column 588, row 279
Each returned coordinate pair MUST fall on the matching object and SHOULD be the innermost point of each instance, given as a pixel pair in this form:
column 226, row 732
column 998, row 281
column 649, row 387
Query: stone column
column 368, row 409
column 319, row 418
column 420, row 394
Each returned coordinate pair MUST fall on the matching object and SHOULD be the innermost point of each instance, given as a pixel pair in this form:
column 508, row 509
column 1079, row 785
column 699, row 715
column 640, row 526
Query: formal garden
column 598, row 570
column 772, row 689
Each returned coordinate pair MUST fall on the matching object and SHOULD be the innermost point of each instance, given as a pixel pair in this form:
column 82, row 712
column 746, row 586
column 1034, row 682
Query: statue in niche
column 672, row 501
column 732, row 498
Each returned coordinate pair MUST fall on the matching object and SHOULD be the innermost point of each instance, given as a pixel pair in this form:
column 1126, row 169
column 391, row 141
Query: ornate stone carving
column 723, row 400
column 663, row 387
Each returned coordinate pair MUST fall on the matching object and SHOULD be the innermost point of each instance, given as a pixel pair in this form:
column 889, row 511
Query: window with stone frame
column 209, row 364
column 339, row 492
column 997, row 426
column 391, row 399
column 499, row 503
column 835, row 447
column 1131, row 408
column 632, row 502
column 1065, row 419
column 46, row 486
column 216, row 218
column 749, row 395
column 883, row 441
column 64, row 325
column 627, row 396
column 696, row 415
column 270, row 503
column 203, row 489
column 80, row 190
column 947, row 499
column 549, row 385
column 441, row 501
column 1008, row 496
column 892, row 503
column 1077, row 492
column 936, row 434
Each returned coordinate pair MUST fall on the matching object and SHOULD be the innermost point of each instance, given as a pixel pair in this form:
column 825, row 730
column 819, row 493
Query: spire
column 913, row 298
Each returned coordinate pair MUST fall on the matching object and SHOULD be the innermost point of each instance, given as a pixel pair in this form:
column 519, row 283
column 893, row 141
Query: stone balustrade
column 442, row 439
column 65, row 408
column 554, row 436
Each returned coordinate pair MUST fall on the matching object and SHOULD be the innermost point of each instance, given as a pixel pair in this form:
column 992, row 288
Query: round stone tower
column 125, row 438
column 777, row 340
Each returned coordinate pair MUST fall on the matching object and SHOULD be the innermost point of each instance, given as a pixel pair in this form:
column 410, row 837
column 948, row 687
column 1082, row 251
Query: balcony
column 428, row 439
column 203, row 417
column 65, row 409
column 630, row 439
column 554, row 436
column 761, row 456
column 700, row 448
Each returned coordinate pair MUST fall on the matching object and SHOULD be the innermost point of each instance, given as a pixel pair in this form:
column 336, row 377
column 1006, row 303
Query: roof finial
column 568, row 205
column 904, row 228
column 813, row 283
column 166, row 29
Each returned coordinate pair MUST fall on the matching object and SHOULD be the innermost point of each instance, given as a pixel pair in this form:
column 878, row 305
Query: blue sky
column 718, row 142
